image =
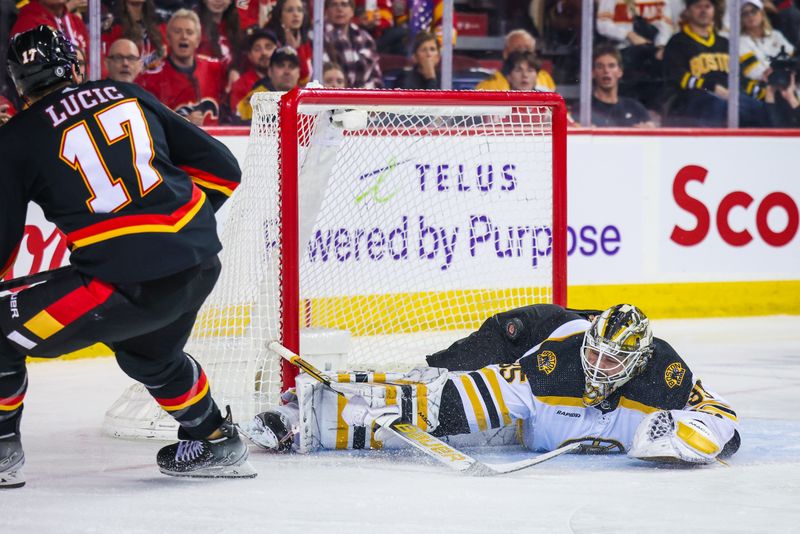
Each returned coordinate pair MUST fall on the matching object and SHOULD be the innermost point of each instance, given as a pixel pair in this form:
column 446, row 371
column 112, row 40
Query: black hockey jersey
column 693, row 63
column 504, row 337
column 554, row 370
column 132, row 185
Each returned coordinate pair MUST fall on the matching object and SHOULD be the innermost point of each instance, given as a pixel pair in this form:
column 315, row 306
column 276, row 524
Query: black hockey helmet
column 40, row 58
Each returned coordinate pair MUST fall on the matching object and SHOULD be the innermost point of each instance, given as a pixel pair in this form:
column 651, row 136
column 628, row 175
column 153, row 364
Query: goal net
column 373, row 228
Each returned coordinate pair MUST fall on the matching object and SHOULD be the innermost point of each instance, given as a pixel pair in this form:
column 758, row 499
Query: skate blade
column 243, row 470
column 11, row 479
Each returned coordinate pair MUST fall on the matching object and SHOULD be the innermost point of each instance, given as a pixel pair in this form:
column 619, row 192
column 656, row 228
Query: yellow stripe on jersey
column 633, row 405
column 342, row 430
column 422, row 406
column 562, row 338
column 43, row 325
column 491, row 378
column 563, row 401
column 716, row 409
column 480, row 416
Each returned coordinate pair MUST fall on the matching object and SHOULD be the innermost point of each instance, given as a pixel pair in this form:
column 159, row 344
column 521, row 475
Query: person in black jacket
column 783, row 106
column 425, row 72
column 696, row 74
column 134, row 187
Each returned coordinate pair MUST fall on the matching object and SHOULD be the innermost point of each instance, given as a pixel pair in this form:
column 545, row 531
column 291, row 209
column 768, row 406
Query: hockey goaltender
column 551, row 375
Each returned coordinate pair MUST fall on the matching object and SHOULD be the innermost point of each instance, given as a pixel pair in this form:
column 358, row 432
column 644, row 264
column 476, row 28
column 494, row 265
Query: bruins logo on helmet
column 674, row 375
column 546, row 361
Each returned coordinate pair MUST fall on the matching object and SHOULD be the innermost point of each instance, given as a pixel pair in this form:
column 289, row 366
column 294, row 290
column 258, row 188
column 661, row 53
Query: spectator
column 6, row 110
column 517, row 40
column 52, row 13
column 521, row 69
column 219, row 20
column 187, row 82
column 696, row 72
column 79, row 74
column 758, row 43
column 290, row 23
column 608, row 108
column 426, row 57
column 137, row 20
column 79, row 7
column 260, row 45
column 785, row 17
column 333, row 76
column 353, row 48
column 123, row 61
column 375, row 16
column 394, row 39
column 639, row 29
column 254, row 12
column 283, row 75
column 783, row 106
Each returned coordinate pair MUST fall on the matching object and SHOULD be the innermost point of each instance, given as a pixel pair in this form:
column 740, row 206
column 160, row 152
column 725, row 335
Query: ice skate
column 12, row 458
column 224, row 457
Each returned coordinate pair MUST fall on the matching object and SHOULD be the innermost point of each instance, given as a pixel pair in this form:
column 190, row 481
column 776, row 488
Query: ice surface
column 82, row 481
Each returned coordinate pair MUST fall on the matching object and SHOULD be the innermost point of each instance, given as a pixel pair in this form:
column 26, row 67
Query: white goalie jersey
column 536, row 401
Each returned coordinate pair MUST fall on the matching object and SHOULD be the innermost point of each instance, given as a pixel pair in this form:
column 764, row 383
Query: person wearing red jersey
column 137, row 20
column 260, row 45
column 187, row 82
column 291, row 23
column 53, row 13
column 254, row 12
column 220, row 38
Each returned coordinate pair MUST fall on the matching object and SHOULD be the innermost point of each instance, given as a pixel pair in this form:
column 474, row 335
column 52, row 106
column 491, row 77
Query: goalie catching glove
column 662, row 436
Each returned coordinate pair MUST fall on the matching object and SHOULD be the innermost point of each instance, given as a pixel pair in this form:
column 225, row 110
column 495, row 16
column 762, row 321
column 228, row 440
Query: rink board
column 685, row 224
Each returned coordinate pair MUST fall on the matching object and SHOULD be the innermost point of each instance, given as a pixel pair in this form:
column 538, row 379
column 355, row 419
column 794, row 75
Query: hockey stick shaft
column 34, row 278
column 412, row 435
column 422, row 440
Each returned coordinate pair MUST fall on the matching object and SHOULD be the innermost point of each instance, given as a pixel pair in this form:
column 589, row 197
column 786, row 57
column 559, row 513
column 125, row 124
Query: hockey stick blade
column 34, row 278
column 423, row 441
column 511, row 467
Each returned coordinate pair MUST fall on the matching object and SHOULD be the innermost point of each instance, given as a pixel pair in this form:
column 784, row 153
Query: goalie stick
column 34, row 278
column 423, row 441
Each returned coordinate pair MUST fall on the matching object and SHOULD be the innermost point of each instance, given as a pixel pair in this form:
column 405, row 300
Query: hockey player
column 134, row 187
column 607, row 384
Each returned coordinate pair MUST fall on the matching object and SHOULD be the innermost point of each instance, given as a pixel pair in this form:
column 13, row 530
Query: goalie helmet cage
column 377, row 226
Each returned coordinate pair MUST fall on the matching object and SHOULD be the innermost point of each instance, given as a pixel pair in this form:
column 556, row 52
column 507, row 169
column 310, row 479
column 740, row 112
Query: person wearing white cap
column 759, row 42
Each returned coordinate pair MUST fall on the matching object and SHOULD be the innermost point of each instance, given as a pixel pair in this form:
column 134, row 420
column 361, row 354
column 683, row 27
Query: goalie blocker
column 606, row 384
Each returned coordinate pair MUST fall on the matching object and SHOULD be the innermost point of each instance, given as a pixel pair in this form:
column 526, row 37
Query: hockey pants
column 146, row 325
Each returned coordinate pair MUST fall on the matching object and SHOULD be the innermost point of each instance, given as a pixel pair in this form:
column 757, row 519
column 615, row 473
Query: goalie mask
column 40, row 58
column 616, row 348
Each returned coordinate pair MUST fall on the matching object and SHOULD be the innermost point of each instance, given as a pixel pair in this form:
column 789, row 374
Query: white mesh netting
column 417, row 222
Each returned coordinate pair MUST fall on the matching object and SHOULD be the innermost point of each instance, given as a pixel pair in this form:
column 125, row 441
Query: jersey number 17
column 80, row 151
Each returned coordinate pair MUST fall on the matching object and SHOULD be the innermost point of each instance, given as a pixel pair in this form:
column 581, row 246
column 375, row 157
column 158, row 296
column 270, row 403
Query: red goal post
column 371, row 228
column 291, row 137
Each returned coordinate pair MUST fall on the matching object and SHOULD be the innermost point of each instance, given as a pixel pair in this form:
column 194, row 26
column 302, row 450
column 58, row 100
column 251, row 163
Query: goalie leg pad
column 416, row 393
column 663, row 436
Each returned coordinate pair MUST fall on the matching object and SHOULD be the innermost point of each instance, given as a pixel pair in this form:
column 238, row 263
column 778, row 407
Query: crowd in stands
column 655, row 61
